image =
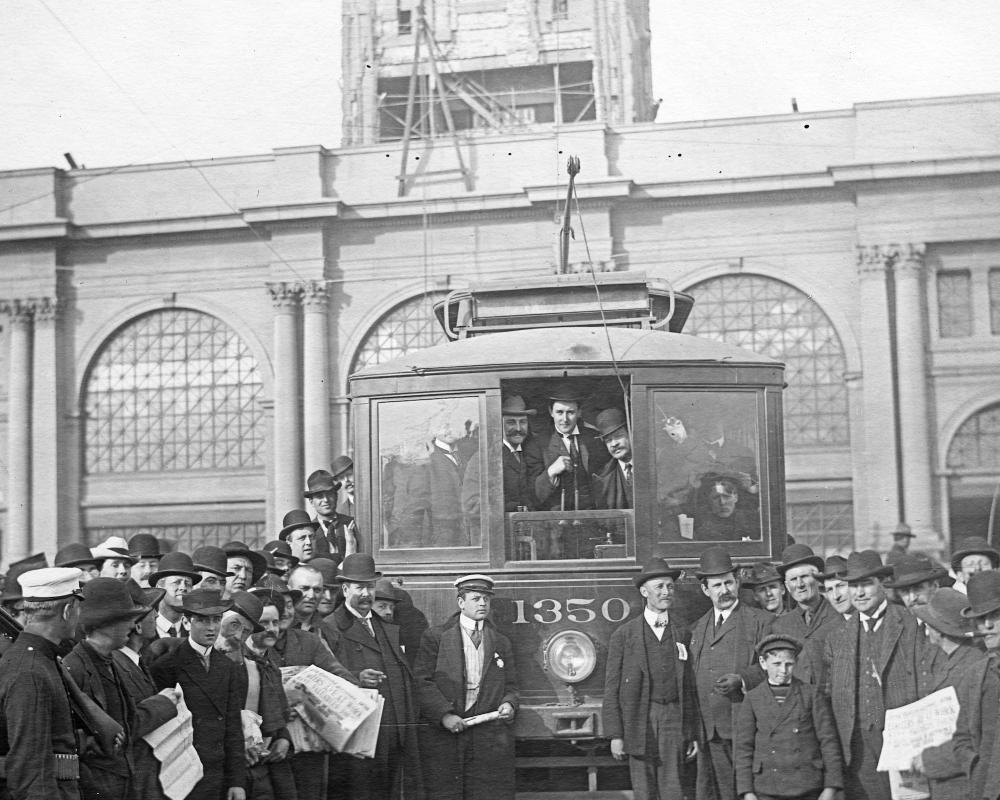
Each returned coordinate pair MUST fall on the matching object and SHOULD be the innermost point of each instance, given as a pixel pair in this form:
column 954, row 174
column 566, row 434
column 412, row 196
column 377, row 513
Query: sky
column 145, row 81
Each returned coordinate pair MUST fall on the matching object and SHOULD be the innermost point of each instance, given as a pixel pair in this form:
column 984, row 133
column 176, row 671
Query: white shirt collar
column 163, row 625
column 621, row 465
column 469, row 624
column 574, row 432
column 442, row 446
column 511, row 447
column 652, row 617
column 877, row 613
column 132, row 655
column 353, row 611
column 199, row 649
column 728, row 612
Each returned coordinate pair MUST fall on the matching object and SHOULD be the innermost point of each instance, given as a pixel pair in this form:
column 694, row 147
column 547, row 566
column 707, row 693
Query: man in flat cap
column 724, row 660
column 466, row 668
column 337, row 535
column 39, row 725
column 613, row 485
column 872, row 665
column 649, row 709
column 370, row 650
column 569, row 456
column 214, row 692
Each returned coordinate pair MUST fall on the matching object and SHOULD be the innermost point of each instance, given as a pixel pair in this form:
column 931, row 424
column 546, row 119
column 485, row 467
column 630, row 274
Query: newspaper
column 363, row 740
column 173, row 746
column 928, row 722
column 333, row 708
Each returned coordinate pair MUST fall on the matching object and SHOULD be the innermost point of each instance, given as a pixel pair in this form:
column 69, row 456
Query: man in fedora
column 873, row 664
column 724, row 660
column 813, row 619
column 465, row 668
column 145, row 549
column 35, row 709
column 212, row 564
column 915, row 579
column 520, row 449
column 768, row 588
column 835, row 588
column 77, row 554
column 284, row 559
column 971, row 555
column 612, row 486
column 370, row 650
column 176, row 575
column 902, row 538
column 108, row 613
column 337, row 535
column 113, row 558
column 569, row 456
column 214, row 692
column 245, row 566
column 342, row 470
column 298, row 530
column 649, row 708
column 948, row 630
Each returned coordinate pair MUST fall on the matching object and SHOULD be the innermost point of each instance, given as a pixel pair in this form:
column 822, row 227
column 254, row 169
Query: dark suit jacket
column 298, row 648
column 734, row 644
column 609, row 489
column 786, row 749
column 982, row 768
column 331, row 541
column 897, row 664
column 593, row 456
column 215, row 703
column 627, row 684
column 518, row 479
column 809, row 666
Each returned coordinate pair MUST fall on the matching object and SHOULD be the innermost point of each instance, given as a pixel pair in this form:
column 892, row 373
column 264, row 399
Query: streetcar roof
column 572, row 345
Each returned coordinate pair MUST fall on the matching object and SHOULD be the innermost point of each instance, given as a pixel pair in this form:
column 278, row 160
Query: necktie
column 366, row 621
column 808, row 617
column 517, row 455
column 662, row 620
column 574, row 449
column 207, row 660
column 628, row 474
column 477, row 636
column 173, row 630
column 718, row 622
column 872, row 623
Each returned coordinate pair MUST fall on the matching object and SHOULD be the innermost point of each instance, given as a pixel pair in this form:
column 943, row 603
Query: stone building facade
column 177, row 337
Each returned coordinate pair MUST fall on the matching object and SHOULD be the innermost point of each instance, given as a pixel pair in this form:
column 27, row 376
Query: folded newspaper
column 332, row 714
column 173, row 746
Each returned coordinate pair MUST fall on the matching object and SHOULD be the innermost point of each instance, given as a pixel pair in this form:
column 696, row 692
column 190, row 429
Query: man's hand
column 278, row 751
column 506, row 711
column 371, row 678
column 172, row 694
column 691, row 751
column 453, row 723
column 252, row 756
column 236, row 793
column 728, row 685
column 559, row 466
column 618, row 749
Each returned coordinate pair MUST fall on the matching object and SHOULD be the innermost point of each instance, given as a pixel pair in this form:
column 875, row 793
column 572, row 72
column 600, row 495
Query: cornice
column 923, row 168
column 52, row 229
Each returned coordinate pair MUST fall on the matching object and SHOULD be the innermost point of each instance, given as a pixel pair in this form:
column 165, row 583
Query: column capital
column 28, row 308
column 315, row 295
column 910, row 258
column 873, row 259
column 45, row 309
column 285, row 295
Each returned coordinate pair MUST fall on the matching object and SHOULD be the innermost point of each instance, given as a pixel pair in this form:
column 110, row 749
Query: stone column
column 914, row 422
column 316, row 376
column 288, row 477
column 17, row 541
column 48, row 496
column 879, row 485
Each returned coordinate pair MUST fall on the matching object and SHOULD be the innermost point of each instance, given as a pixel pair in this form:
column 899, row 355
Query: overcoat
column 215, row 702
column 477, row 764
column 786, row 749
column 982, row 769
column 809, row 665
column 609, row 488
column 139, row 684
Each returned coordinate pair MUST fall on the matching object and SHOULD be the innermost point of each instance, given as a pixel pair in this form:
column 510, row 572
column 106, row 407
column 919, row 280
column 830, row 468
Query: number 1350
column 550, row 611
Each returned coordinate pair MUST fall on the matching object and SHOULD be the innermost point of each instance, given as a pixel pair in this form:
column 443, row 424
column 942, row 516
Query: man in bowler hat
column 649, row 708
column 337, row 535
column 370, row 650
column 724, row 660
column 872, row 664
column 612, row 486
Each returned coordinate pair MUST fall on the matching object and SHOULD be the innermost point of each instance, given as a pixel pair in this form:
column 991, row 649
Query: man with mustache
column 724, row 660
column 612, row 485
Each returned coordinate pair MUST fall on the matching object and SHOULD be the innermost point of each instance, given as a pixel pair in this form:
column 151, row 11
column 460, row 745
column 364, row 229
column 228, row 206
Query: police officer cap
column 475, row 583
column 778, row 641
column 51, row 583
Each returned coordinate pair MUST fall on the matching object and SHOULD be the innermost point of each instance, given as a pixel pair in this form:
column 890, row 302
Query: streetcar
column 705, row 424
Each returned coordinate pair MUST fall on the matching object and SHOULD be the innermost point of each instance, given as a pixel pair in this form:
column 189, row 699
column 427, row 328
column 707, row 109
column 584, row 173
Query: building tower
column 495, row 65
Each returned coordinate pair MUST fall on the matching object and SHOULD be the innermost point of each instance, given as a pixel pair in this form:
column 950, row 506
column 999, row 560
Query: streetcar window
column 429, row 496
column 707, row 466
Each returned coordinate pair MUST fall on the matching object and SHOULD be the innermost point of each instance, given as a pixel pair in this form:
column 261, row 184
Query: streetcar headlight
column 570, row 655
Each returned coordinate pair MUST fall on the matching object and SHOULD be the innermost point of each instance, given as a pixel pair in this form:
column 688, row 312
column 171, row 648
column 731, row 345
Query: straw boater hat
column 320, row 481
column 113, row 547
column 340, row 465
column 983, row 594
column 655, row 568
column 944, row 614
column 293, row 520
column 714, row 561
column 912, row 569
column 865, row 564
column 796, row 554
column 514, row 406
column 108, row 600
column 610, row 421
column 974, row 546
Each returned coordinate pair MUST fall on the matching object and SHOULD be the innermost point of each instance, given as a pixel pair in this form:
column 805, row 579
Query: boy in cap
column 786, row 744
column 465, row 668
column 214, row 693
column 38, row 723
column 649, row 708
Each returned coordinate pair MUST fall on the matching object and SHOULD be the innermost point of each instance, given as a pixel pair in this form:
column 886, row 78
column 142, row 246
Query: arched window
column 173, row 390
column 974, row 472
column 409, row 326
column 776, row 319
column 976, row 446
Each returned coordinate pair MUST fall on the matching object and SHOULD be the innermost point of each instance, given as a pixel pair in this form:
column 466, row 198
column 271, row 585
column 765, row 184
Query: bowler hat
column 983, row 592
column 835, row 567
column 144, row 545
column 257, row 563
column 564, row 393
column 358, row 568
column 714, row 561
column 778, row 641
column 328, row 569
column 282, row 549
column 293, row 520
column 761, row 574
column 209, row 558
column 476, row 582
column 514, row 406
column 609, row 421
column 272, row 583
column 250, row 607
column 912, row 569
column 74, row 554
column 205, row 603
column 974, row 546
column 107, row 600
column 796, row 554
column 944, row 613
column 384, row 590
column 340, row 465
column 12, row 588
column 270, row 567
column 176, row 563
column 655, row 568
column 142, row 596
column 865, row 564
column 320, row 481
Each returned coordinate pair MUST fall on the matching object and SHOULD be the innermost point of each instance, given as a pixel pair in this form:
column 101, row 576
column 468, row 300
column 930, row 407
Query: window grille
column 188, row 538
column 828, row 528
column 409, row 326
column 976, row 445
